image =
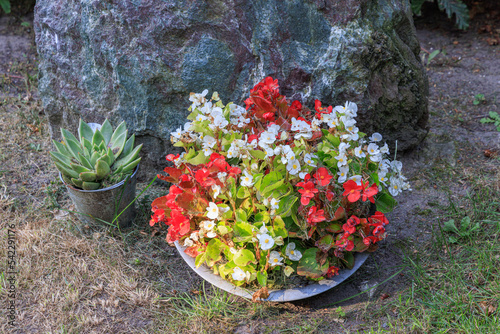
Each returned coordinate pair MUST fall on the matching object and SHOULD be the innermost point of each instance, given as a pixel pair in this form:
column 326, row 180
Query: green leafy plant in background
column 456, row 7
column 494, row 118
column 466, row 229
column 5, row 4
column 478, row 99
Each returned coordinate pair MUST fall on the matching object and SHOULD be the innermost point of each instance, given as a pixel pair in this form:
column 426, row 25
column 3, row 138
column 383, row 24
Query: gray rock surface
column 139, row 60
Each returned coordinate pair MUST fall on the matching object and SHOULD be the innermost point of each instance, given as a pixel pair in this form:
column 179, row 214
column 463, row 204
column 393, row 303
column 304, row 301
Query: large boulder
column 139, row 60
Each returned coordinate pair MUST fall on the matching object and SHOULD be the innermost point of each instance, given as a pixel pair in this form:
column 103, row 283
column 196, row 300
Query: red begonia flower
column 307, row 193
column 315, row 216
column 322, row 176
column 203, row 177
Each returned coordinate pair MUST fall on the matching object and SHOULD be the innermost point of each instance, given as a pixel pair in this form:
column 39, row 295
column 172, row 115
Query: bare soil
column 75, row 280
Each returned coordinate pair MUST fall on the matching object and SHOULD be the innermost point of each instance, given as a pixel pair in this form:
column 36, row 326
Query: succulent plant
column 98, row 158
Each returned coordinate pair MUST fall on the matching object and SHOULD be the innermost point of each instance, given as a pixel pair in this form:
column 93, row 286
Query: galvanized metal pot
column 96, row 206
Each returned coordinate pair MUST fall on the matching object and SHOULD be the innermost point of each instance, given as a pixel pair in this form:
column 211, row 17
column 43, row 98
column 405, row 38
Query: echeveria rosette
column 275, row 187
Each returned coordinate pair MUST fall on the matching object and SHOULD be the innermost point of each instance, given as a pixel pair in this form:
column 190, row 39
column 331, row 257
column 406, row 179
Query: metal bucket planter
column 284, row 295
column 95, row 206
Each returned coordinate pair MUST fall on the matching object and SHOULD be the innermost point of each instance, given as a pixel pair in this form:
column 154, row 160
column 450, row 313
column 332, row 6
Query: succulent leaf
column 102, row 146
column 84, row 161
column 77, row 182
column 128, row 159
column 131, row 165
column 85, row 132
column 102, row 169
column 129, row 145
column 66, row 171
column 117, row 144
column 106, row 131
column 79, row 168
column 111, row 156
column 87, row 144
column 61, row 148
column 73, row 147
column 93, row 158
column 66, row 135
column 90, row 185
column 61, row 158
column 120, row 129
column 88, row 176
column 97, row 139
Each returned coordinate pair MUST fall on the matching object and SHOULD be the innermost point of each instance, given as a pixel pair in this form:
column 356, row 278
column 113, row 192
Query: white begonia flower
column 308, row 159
column 188, row 242
column 267, row 137
column 197, row 98
column 292, row 253
column 233, row 250
column 242, row 121
column 246, row 179
column 216, row 190
column 331, row 120
column 177, row 133
column 376, row 137
column 275, row 259
column 220, row 121
column 274, row 128
column 350, row 136
column 348, row 122
column 342, row 173
column 269, row 152
column 238, row 274
column 396, row 186
column 302, row 175
column 376, row 157
column 373, row 149
column 209, row 141
column 211, row 234
column 207, row 151
column 343, row 147
column 396, row 166
column 315, row 124
column 265, row 201
column 358, row 151
column 287, row 150
column 351, row 109
column 382, row 178
column 356, row 178
column 384, row 149
column 208, row 225
column 305, row 135
column 266, row 241
column 213, row 210
column 222, row 176
column 187, row 126
column 293, row 167
column 263, row 229
column 274, row 203
column 201, row 118
column 194, row 236
column 342, row 160
column 384, row 166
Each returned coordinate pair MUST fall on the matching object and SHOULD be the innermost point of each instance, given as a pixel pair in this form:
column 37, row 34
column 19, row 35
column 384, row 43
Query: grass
column 456, row 286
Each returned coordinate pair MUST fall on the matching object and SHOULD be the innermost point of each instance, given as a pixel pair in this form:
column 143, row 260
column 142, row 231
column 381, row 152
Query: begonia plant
column 276, row 189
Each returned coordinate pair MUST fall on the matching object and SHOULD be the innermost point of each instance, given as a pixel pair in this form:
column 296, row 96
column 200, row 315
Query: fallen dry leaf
column 384, row 296
column 262, row 293
column 492, row 41
column 487, row 307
